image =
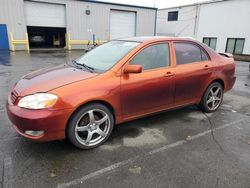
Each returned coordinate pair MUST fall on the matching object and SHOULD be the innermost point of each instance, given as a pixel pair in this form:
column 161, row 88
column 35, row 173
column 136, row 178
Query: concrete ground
column 181, row 148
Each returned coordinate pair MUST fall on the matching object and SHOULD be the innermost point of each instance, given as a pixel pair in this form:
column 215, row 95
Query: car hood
column 47, row 79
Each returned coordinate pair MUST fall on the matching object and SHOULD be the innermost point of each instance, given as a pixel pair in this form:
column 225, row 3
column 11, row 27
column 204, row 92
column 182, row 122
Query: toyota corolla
column 118, row 81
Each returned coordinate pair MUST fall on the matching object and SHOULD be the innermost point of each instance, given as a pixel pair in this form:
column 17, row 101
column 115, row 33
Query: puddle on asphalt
column 196, row 115
column 148, row 136
column 5, row 58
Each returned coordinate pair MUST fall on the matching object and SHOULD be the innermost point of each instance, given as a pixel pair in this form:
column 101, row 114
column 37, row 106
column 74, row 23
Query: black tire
column 207, row 107
column 82, row 116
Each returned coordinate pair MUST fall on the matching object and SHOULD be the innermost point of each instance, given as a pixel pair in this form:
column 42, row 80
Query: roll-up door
column 122, row 24
column 45, row 14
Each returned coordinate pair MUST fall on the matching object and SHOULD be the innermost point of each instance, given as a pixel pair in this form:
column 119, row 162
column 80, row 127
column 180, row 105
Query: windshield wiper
column 90, row 69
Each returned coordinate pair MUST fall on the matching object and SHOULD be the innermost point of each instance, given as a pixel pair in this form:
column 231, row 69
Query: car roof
column 154, row 38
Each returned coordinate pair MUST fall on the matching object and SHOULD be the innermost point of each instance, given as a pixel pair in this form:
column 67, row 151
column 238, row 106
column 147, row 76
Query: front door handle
column 169, row 74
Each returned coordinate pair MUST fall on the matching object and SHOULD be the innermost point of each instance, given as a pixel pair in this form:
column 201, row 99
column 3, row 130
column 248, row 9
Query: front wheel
column 90, row 126
column 212, row 98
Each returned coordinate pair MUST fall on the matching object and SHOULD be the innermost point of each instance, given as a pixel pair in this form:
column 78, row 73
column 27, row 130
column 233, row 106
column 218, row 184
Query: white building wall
column 185, row 26
column 228, row 19
column 223, row 19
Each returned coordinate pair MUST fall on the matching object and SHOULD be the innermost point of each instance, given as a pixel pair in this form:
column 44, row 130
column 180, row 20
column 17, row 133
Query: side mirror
column 132, row 69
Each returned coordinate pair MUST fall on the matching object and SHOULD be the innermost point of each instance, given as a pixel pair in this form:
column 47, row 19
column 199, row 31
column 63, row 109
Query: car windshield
column 106, row 56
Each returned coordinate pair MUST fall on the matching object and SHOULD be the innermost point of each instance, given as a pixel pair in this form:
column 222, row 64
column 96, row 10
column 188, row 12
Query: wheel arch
column 201, row 103
column 105, row 103
column 219, row 80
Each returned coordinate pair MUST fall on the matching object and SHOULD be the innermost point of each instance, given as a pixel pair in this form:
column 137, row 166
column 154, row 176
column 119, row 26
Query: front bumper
column 52, row 122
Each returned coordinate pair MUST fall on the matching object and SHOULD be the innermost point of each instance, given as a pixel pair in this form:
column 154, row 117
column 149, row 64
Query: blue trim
column 93, row 39
column 4, row 41
column 118, row 4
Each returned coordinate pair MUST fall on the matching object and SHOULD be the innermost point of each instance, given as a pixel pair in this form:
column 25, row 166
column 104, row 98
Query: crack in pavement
column 2, row 107
column 7, row 173
column 120, row 164
column 212, row 128
column 217, row 182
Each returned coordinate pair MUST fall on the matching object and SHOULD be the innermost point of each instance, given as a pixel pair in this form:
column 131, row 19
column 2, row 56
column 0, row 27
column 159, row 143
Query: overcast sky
column 157, row 3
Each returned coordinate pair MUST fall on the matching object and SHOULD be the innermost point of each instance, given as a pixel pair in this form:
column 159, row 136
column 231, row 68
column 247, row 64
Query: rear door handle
column 206, row 67
column 169, row 74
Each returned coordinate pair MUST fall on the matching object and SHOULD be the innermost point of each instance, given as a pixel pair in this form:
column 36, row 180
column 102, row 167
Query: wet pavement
column 180, row 148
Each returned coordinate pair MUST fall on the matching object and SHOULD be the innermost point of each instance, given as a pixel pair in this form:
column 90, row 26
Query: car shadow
column 131, row 129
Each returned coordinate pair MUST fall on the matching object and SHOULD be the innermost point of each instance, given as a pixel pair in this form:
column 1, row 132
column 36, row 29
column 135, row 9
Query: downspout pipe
column 155, row 21
column 197, row 15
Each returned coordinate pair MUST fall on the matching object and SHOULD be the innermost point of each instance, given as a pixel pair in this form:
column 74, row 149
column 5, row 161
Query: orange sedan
column 116, row 82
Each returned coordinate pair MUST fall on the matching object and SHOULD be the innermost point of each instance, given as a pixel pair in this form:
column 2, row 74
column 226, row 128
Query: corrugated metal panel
column 12, row 14
column 120, row 4
column 84, row 26
column 79, row 25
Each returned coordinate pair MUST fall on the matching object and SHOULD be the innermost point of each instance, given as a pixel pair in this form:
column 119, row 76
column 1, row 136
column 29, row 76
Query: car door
column 153, row 88
column 193, row 71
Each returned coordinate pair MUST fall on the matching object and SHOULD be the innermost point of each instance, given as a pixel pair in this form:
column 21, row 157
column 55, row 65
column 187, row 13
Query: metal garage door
column 122, row 24
column 45, row 14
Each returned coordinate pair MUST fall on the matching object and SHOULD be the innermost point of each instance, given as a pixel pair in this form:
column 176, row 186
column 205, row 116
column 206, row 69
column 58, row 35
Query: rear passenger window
column 204, row 56
column 189, row 53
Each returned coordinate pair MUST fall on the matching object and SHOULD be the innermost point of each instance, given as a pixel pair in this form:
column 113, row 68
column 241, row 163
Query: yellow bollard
column 27, row 42
column 11, row 41
column 66, row 41
column 69, row 41
column 15, row 42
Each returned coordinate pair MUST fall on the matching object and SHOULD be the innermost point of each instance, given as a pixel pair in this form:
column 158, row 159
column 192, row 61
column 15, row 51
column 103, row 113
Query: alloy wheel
column 214, row 98
column 92, row 127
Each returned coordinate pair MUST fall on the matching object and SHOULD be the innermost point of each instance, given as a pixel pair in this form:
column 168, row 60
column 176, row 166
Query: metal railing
column 70, row 42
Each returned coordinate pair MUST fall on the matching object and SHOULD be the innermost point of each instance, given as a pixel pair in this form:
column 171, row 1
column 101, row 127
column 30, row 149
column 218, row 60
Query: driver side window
column 153, row 57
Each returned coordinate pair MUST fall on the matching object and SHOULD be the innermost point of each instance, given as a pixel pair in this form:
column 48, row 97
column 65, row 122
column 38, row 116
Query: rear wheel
column 212, row 98
column 90, row 126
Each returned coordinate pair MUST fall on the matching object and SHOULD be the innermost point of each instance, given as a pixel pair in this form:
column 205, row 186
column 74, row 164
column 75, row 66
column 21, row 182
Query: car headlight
column 38, row 101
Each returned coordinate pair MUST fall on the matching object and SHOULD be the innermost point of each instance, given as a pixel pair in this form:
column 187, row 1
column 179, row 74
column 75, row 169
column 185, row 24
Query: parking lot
column 180, row 148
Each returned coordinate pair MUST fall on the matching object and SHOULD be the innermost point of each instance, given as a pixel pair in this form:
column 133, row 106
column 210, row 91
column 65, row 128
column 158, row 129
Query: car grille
column 13, row 96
